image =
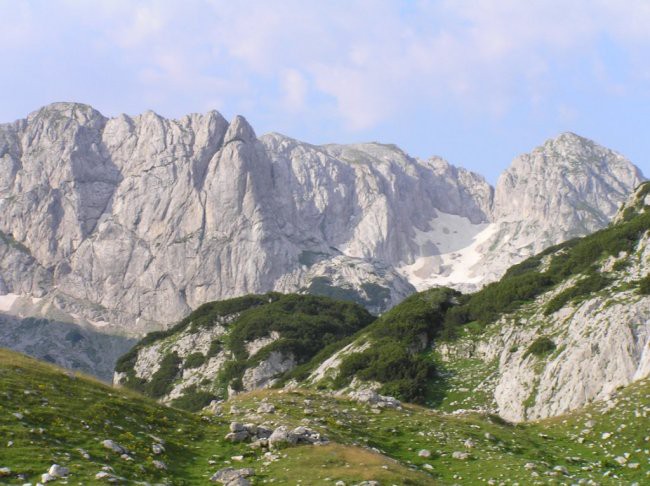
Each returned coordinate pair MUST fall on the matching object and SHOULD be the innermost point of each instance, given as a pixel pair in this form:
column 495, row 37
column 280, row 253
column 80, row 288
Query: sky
column 476, row 82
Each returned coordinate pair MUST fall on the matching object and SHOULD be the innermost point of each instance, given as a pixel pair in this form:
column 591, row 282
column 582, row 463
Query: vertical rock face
column 128, row 223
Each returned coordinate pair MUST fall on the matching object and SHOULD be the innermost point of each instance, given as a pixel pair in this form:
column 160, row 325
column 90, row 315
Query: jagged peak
column 239, row 129
column 212, row 115
column 571, row 138
column 80, row 112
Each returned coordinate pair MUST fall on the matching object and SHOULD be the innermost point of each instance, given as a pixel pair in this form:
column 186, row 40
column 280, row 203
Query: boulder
column 47, row 477
column 231, row 476
column 266, row 407
column 374, row 399
column 239, row 436
column 236, row 427
column 58, row 471
column 282, row 436
column 461, row 456
column 114, row 446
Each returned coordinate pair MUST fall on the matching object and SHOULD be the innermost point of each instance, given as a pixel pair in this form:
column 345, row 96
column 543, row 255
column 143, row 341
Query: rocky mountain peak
column 79, row 113
column 239, row 129
column 594, row 180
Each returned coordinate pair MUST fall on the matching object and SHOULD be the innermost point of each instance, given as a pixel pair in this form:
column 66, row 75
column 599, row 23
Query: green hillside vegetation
column 525, row 281
column 51, row 416
column 607, row 442
column 398, row 337
column 306, row 324
column 314, row 328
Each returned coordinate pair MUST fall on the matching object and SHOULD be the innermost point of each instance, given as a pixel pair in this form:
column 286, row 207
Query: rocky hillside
column 125, row 225
column 559, row 330
column 236, row 345
column 107, row 435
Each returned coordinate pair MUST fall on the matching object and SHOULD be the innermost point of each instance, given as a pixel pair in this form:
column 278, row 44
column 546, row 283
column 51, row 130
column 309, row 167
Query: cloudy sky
column 474, row 81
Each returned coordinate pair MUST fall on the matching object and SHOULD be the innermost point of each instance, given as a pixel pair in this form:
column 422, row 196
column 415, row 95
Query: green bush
column 194, row 360
column 620, row 265
column 193, row 399
column 162, row 380
column 306, row 324
column 541, row 347
column 524, row 282
column 644, row 285
column 593, row 283
column 215, row 348
column 420, row 315
column 127, row 361
column 398, row 338
column 402, row 374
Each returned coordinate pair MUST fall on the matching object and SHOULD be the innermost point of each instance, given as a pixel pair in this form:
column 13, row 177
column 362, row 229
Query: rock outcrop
column 549, row 359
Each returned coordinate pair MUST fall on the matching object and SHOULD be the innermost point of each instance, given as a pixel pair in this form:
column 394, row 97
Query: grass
column 65, row 412
column 500, row 455
column 366, row 444
column 458, row 384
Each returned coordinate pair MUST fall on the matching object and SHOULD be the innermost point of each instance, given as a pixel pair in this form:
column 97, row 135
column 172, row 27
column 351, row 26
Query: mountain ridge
column 125, row 224
column 562, row 328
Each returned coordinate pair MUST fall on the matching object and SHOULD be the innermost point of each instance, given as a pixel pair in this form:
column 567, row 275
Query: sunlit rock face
column 125, row 224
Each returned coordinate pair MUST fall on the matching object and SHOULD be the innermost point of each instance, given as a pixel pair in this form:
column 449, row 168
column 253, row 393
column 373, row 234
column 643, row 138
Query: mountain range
column 274, row 311
column 563, row 328
column 113, row 227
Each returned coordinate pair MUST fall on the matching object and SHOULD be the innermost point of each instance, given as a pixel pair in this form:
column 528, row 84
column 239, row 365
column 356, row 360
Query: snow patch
column 448, row 252
column 7, row 301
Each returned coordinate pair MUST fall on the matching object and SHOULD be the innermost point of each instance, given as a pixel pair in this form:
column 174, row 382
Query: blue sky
column 474, row 81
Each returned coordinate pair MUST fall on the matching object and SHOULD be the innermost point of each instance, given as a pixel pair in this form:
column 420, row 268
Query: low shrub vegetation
column 194, row 360
column 541, row 347
column 644, row 285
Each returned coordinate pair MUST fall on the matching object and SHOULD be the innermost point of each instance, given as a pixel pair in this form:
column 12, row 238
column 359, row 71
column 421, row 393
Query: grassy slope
column 97, row 412
column 501, row 456
column 63, row 412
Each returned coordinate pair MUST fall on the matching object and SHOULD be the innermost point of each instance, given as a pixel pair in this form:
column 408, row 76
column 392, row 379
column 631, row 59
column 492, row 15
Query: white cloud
column 295, row 88
column 371, row 59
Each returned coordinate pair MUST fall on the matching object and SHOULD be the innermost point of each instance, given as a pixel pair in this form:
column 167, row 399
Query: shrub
column 644, row 285
column 541, row 347
column 593, row 283
column 163, row 379
column 620, row 264
column 194, row 360
column 402, row 374
column 127, row 361
column 523, row 282
column 307, row 324
column 215, row 348
column 193, row 399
